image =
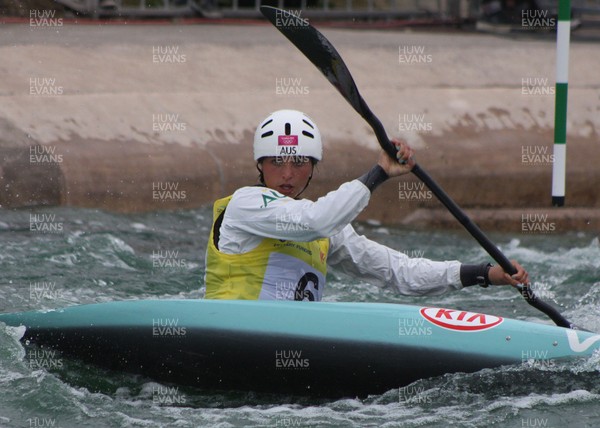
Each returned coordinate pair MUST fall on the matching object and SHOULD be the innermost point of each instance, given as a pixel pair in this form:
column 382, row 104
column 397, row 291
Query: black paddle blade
column 323, row 55
column 317, row 49
column 552, row 313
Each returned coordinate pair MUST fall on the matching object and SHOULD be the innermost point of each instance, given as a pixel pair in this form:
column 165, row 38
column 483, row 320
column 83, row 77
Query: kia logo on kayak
column 452, row 319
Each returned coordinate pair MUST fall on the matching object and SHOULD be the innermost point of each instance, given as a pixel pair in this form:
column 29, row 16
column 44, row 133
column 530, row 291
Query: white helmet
column 287, row 133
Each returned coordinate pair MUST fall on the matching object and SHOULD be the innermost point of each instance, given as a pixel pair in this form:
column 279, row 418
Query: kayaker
column 267, row 243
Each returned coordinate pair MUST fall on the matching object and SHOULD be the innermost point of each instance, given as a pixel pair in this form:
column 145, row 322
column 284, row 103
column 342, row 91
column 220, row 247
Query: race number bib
column 288, row 278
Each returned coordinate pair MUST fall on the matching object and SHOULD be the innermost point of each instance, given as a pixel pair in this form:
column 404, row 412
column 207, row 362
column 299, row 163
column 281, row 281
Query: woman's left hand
column 497, row 275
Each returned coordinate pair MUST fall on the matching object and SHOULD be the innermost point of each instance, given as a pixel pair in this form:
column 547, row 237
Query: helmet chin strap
column 307, row 183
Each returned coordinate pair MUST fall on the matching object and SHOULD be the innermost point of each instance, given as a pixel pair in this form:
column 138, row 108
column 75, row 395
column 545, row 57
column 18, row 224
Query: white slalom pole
column 563, row 35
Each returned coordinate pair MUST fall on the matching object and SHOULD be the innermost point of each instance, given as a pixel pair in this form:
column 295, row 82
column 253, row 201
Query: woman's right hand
column 405, row 159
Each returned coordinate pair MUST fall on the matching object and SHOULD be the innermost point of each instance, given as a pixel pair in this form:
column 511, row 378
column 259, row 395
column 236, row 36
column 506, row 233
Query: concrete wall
column 136, row 107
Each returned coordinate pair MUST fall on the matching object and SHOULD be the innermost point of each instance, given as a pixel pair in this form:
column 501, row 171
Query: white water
column 102, row 257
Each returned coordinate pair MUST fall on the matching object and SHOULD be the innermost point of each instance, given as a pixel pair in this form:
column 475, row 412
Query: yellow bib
column 275, row 269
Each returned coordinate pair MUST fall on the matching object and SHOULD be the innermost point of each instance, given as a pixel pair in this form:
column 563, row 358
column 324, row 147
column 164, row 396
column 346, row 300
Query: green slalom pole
column 563, row 35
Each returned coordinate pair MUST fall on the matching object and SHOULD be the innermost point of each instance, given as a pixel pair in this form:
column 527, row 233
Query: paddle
column 324, row 56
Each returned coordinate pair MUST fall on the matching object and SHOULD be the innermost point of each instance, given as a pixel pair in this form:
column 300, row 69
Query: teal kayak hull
column 318, row 349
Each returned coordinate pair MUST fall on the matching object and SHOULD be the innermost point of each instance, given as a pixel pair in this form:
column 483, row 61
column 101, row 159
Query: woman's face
column 288, row 175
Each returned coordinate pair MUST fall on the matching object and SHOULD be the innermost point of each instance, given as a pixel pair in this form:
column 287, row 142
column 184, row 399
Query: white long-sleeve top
column 250, row 217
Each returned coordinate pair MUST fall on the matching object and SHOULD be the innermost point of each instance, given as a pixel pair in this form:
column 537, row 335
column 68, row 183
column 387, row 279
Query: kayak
column 316, row 349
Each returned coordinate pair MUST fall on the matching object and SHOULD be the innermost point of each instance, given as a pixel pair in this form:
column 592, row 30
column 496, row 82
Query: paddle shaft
column 489, row 246
column 442, row 196
column 323, row 55
column 463, row 219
